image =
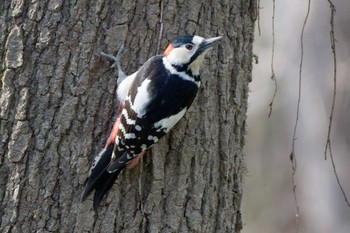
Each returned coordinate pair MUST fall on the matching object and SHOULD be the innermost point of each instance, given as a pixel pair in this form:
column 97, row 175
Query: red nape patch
column 168, row 50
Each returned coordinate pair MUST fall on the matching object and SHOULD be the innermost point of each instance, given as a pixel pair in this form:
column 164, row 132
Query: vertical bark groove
column 57, row 105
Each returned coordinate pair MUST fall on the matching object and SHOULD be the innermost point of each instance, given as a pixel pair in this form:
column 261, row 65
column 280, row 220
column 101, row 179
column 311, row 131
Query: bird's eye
column 189, row 46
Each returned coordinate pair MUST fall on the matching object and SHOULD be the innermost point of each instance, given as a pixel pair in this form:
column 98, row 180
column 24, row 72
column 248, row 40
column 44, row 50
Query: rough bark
column 58, row 105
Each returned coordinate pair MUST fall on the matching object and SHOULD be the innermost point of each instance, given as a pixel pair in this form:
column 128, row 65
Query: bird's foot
column 116, row 64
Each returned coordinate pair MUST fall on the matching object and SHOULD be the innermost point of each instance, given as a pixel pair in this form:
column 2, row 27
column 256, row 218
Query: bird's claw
column 116, row 64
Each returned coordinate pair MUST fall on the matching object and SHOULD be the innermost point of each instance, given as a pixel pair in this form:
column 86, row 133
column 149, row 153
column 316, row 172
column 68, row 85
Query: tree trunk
column 58, row 104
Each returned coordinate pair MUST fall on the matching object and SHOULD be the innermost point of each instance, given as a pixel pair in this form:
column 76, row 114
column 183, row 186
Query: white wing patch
column 126, row 135
column 124, row 87
column 142, row 99
column 167, row 123
column 152, row 138
column 128, row 120
column 130, row 136
column 144, row 147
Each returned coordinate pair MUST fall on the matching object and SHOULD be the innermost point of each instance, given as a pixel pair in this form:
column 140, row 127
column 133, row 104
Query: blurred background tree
column 268, row 204
column 57, row 105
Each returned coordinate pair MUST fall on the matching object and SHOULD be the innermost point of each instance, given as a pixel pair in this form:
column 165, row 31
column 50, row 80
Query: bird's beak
column 209, row 43
column 204, row 47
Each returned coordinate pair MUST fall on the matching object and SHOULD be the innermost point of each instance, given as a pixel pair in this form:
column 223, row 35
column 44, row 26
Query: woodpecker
column 151, row 101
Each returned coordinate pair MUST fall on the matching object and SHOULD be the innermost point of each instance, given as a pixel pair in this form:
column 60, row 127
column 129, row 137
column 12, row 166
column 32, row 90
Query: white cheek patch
column 168, row 123
column 179, row 56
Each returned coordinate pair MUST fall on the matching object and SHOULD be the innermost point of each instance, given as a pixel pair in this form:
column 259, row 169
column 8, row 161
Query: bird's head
column 189, row 51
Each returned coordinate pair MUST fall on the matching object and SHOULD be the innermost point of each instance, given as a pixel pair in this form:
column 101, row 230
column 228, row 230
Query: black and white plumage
column 153, row 100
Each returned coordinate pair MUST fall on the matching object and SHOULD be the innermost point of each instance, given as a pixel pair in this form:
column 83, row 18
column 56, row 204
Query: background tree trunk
column 58, row 105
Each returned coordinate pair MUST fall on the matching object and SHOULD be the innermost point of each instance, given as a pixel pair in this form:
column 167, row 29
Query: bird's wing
column 156, row 101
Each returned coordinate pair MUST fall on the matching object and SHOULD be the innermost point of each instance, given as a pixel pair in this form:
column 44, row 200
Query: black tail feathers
column 103, row 187
column 100, row 179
